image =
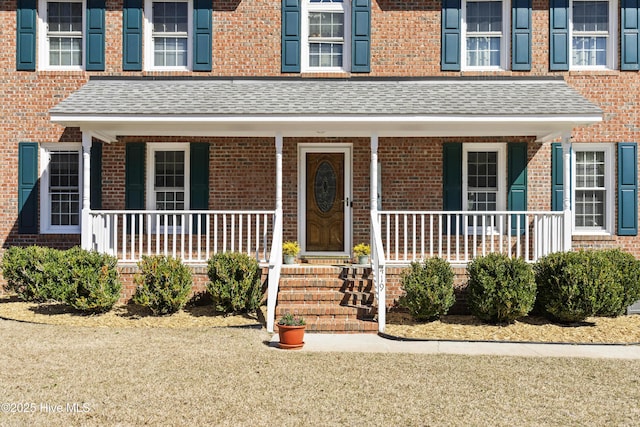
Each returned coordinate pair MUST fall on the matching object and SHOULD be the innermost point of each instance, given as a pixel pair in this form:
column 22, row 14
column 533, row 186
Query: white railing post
column 275, row 259
column 86, row 229
column 566, row 194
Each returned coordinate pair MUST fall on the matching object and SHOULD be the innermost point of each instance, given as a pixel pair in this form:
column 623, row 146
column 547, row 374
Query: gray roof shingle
column 284, row 97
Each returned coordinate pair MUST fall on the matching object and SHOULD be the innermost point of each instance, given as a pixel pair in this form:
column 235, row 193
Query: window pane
column 170, row 181
column 485, row 16
column 590, row 16
column 590, row 189
column 482, row 181
column 64, row 190
column 483, row 51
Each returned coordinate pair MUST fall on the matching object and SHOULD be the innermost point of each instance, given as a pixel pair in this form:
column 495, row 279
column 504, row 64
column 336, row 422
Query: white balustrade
column 461, row 236
column 192, row 236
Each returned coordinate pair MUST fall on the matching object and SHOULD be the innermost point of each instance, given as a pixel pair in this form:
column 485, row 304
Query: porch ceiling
column 111, row 107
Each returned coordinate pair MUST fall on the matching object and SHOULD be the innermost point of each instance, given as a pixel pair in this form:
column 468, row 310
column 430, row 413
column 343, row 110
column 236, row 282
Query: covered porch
column 109, row 109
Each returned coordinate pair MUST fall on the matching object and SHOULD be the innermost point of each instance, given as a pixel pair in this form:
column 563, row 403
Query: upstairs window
column 486, row 29
column 593, row 43
column 326, row 30
column 61, row 43
column 168, row 32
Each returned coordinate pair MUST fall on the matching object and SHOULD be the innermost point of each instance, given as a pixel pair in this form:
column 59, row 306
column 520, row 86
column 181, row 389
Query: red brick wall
column 405, row 41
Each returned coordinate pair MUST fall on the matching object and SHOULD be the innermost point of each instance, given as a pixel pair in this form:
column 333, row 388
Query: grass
column 225, row 376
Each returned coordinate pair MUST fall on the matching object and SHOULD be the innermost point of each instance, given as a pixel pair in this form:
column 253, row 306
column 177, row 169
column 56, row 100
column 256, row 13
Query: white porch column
column 378, row 270
column 275, row 262
column 85, row 224
column 566, row 193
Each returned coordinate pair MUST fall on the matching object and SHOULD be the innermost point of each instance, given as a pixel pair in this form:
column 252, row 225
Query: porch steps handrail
column 378, row 264
column 275, row 266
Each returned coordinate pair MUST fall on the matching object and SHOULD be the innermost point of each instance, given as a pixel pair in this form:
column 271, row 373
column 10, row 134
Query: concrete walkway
column 370, row 343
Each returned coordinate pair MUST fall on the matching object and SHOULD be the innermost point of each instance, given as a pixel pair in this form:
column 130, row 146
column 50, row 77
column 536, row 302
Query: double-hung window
column 593, row 39
column 326, row 31
column 483, row 181
column 61, row 37
column 168, row 179
column 168, row 34
column 486, row 29
column 593, row 188
column 60, row 188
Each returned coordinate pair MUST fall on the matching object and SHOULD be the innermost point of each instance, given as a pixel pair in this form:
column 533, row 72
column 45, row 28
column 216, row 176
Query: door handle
column 348, row 203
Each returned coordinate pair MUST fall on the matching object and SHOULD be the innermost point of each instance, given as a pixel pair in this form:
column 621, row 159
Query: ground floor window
column 168, row 179
column 593, row 188
column 60, row 188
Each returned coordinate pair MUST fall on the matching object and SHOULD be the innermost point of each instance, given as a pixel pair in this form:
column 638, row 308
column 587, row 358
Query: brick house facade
column 587, row 46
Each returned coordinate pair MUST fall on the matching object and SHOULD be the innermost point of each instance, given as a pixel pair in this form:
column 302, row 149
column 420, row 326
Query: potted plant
column 291, row 331
column 289, row 251
column 362, row 252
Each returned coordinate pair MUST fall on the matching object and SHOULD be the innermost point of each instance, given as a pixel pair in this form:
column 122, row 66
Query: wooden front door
column 325, row 202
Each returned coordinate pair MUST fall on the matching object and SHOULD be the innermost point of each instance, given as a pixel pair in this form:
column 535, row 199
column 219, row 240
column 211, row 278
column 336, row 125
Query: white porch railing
column 192, row 236
column 462, row 236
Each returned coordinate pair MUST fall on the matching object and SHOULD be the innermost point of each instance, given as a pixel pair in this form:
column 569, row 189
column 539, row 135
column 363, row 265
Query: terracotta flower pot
column 291, row 337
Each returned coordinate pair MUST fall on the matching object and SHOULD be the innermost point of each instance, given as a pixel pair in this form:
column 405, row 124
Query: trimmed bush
column 95, row 286
column 501, row 288
column 163, row 284
column 627, row 267
column 428, row 289
column 36, row 273
column 234, row 282
column 575, row 285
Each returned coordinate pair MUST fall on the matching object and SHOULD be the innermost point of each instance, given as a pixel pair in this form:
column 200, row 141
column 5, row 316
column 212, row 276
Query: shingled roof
column 287, row 97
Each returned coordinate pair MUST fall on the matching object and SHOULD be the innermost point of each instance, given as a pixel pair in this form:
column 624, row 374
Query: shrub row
column 566, row 287
column 88, row 281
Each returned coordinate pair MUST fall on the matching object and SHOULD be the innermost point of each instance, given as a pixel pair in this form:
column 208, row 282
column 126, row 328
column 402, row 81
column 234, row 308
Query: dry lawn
column 231, row 377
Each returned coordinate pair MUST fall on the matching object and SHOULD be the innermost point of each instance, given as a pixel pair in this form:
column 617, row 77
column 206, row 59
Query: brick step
column 358, row 298
column 301, row 296
column 317, row 310
column 311, row 283
column 341, row 326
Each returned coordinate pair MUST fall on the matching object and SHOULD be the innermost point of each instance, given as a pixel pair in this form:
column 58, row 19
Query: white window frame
column 609, row 188
column 45, row 209
column 505, row 38
column 149, row 62
column 612, row 39
column 154, row 147
column 43, row 42
column 501, row 198
column 306, row 8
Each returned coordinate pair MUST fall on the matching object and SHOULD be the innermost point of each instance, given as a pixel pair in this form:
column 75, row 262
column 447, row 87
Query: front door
column 326, row 201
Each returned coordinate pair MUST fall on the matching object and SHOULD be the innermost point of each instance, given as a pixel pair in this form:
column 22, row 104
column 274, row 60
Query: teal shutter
column 360, row 36
column 199, row 182
column 451, row 35
column 559, row 35
column 452, row 176
column 290, row 36
column 27, row 187
column 95, row 35
column 629, row 43
column 95, row 179
column 557, row 181
column 132, row 35
column 202, row 29
column 627, row 189
column 134, row 176
column 517, row 179
column 26, row 35
column 521, row 35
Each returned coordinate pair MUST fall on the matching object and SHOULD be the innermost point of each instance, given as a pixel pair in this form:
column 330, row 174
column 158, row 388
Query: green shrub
column 94, row 286
column 36, row 273
column 501, row 288
column 163, row 284
column 627, row 268
column 575, row 285
column 234, row 282
column 428, row 289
